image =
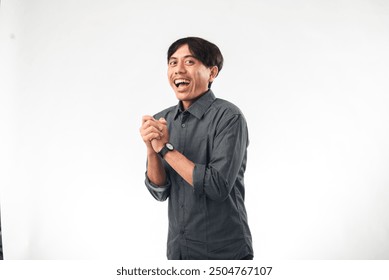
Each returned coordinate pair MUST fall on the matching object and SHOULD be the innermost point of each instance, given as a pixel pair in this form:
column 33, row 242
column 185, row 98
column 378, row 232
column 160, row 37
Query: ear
column 213, row 73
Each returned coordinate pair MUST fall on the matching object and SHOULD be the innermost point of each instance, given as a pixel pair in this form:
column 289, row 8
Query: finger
column 147, row 124
column 149, row 137
column 146, row 118
column 149, row 130
column 162, row 120
column 154, row 123
column 151, row 126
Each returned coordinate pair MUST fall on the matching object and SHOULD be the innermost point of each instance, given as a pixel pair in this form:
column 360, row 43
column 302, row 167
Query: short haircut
column 206, row 52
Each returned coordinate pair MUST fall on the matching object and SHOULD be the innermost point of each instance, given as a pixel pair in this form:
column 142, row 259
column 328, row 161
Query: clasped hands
column 154, row 133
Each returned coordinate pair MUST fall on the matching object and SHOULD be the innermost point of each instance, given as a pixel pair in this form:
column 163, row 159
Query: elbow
column 161, row 198
column 211, row 183
column 219, row 198
column 218, row 191
column 160, row 195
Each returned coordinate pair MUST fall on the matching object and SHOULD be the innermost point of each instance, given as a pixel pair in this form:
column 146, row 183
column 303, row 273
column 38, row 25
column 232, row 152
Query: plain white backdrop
column 310, row 76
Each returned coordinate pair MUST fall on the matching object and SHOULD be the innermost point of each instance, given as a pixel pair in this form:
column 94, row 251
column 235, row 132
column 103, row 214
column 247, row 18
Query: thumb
column 162, row 120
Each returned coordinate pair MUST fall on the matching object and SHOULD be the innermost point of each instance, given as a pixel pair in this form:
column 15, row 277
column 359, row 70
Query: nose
column 180, row 68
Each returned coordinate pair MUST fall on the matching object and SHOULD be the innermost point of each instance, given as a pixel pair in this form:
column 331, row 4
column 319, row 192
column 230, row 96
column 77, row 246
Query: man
column 196, row 157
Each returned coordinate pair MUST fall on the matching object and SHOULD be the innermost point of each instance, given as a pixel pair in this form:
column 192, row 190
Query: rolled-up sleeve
column 160, row 193
column 228, row 158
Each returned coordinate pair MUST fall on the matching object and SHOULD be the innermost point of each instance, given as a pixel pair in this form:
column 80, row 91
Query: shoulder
column 225, row 108
column 225, row 114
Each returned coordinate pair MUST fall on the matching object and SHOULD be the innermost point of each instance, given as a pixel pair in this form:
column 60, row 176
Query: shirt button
column 182, row 231
column 183, row 125
column 181, row 205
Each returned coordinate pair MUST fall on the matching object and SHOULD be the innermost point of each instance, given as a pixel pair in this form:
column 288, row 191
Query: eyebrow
column 186, row 56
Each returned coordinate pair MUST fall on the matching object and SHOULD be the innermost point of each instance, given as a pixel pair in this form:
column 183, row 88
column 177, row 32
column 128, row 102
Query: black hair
column 206, row 52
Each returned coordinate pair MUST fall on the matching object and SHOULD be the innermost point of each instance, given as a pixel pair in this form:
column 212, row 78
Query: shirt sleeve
column 160, row 193
column 217, row 178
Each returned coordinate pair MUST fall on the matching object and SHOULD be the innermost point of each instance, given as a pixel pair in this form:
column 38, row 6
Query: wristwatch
column 167, row 148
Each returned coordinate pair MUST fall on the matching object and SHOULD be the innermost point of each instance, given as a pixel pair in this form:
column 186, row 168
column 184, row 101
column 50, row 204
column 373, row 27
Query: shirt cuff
column 154, row 187
column 198, row 178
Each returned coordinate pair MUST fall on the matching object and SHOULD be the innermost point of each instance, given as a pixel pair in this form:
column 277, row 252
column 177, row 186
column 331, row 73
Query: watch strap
column 163, row 151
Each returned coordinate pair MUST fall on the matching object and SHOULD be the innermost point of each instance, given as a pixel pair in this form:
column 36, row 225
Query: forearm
column 155, row 169
column 183, row 166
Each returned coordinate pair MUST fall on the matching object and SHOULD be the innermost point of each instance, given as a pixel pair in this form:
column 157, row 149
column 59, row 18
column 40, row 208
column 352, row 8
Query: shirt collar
column 199, row 107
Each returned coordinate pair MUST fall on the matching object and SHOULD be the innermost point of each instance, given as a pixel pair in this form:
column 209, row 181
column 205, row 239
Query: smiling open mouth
column 181, row 82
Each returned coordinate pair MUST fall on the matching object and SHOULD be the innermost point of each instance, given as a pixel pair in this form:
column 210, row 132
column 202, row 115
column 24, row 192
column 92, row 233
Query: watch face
column 169, row 146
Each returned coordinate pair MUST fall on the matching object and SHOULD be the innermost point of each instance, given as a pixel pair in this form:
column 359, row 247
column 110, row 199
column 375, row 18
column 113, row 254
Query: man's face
column 188, row 77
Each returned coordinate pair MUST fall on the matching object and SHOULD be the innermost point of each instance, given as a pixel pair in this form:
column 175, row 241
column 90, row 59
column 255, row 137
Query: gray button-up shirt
column 209, row 220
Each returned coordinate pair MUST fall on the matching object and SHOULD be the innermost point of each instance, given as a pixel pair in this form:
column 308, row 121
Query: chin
column 182, row 95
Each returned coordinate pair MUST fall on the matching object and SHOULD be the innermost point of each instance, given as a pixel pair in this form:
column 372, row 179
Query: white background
column 310, row 76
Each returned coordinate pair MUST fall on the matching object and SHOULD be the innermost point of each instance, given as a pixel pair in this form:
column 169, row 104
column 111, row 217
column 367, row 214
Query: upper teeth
column 179, row 81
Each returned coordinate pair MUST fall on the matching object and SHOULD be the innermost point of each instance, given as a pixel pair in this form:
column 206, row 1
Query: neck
column 187, row 103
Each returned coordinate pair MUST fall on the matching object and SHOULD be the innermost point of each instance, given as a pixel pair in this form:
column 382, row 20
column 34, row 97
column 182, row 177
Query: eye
column 189, row 62
column 172, row 63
